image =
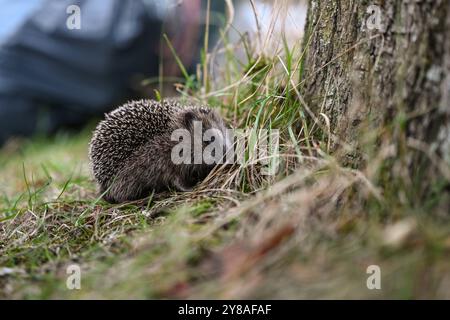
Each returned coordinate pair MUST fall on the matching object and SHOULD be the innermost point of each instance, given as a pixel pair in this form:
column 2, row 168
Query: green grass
column 311, row 231
column 308, row 236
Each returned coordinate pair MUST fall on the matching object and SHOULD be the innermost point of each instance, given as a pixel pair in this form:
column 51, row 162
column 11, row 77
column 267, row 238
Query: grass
column 311, row 231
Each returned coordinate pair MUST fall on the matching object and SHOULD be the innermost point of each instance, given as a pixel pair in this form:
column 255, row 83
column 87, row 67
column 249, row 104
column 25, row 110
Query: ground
column 288, row 241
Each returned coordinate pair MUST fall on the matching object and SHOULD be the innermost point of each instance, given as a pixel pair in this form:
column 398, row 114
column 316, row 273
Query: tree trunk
column 382, row 65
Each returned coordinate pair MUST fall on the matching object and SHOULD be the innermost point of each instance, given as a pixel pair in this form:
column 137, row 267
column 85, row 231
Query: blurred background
column 63, row 62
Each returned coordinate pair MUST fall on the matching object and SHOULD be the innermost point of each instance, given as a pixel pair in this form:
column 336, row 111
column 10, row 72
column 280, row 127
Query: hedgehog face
column 210, row 132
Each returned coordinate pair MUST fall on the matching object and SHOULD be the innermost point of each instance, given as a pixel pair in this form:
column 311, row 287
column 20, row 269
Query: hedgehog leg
column 106, row 195
column 127, row 186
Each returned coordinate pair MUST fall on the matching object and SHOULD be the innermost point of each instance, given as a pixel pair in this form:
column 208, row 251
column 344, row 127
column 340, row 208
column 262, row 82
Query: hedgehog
column 132, row 149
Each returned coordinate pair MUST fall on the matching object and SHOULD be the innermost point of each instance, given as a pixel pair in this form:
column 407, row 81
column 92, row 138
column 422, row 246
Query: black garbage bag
column 47, row 65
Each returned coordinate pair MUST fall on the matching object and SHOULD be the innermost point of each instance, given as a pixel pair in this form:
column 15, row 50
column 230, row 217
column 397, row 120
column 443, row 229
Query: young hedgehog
column 130, row 150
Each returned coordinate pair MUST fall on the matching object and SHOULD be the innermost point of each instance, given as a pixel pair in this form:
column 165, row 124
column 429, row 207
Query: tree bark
column 382, row 65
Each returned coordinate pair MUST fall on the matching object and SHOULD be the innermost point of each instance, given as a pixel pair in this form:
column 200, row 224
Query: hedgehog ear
column 188, row 118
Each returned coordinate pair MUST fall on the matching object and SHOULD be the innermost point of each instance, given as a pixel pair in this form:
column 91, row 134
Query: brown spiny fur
column 130, row 150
